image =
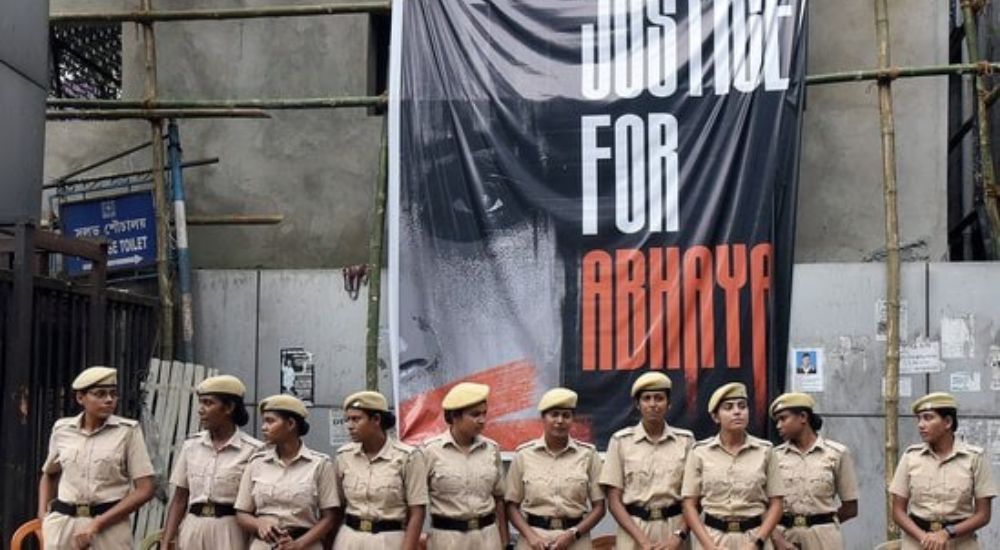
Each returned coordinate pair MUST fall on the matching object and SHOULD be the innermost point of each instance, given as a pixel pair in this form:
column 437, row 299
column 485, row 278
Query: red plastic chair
column 33, row 527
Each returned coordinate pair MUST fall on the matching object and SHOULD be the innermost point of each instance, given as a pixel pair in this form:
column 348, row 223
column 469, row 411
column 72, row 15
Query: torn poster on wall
column 993, row 362
column 957, row 337
column 298, row 374
column 881, row 321
column 920, row 357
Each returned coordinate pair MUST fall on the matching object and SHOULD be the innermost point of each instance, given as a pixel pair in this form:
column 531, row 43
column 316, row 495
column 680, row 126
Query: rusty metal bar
column 276, row 104
column 150, row 114
column 235, row 219
column 221, row 14
column 132, row 173
column 892, row 73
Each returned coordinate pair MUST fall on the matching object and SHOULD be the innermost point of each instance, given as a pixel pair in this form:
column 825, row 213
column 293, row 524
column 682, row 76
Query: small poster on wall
column 298, row 374
column 807, row 369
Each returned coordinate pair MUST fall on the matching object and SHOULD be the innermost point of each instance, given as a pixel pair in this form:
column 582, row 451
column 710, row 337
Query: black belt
column 933, row 526
column 732, row 525
column 554, row 524
column 807, row 520
column 463, row 525
column 212, row 509
column 81, row 510
column 647, row 514
column 372, row 525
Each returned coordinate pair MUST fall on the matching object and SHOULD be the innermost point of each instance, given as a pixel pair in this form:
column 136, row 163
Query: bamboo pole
column 887, row 125
column 151, row 114
column 892, row 73
column 376, row 238
column 160, row 203
column 983, row 122
column 225, row 104
column 129, row 174
column 235, row 219
column 215, row 14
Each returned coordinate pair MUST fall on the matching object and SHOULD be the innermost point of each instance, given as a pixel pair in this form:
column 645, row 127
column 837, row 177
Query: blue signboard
column 128, row 222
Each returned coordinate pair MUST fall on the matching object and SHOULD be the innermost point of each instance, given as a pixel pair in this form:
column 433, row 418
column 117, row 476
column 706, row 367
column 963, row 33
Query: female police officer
column 465, row 476
column 644, row 469
column 383, row 483
column 551, row 480
column 815, row 471
column 288, row 492
column 100, row 466
column 208, row 470
column 734, row 478
column 943, row 487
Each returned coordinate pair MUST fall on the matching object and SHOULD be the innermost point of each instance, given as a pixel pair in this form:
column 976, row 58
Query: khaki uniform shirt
column 460, row 485
column 294, row 493
column 733, row 485
column 648, row 472
column 97, row 466
column 383, row 487
column 554, row 484
column 945, row 488
column 211, row 475
column 815, row 478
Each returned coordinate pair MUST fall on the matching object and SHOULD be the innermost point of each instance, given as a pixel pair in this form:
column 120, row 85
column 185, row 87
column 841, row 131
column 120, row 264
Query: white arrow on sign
column 127, row 260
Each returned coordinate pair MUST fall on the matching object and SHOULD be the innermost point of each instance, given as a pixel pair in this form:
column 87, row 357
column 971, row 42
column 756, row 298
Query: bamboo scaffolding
column 987, row 171
column 887, row 124
column 120, row 175
column 150, row 114
column 160, row 203
column 892, row 73
column 375, row 248
column 243, row 105
column 235, row 219
column 970, row 122
column 218, row 14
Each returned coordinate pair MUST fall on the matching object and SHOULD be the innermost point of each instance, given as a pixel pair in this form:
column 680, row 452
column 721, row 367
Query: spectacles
column 103, row 394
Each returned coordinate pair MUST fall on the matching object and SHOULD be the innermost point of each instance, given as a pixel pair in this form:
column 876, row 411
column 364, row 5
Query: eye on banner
column 581, row 191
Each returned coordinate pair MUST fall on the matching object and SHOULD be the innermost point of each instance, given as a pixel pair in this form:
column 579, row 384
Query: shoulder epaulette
column 759, row 441
column 624, row 432
column 974, row 448
column 347, row 447
column 586, row 445
column 318, row 455
column 195, row 435
column 683, row 432
column 128, row 422
column 914, row 448
column 836, row 445
column 527, row 445
column 251, row 440
column 64, row 422
column 782, row 447
column 404, row 447
column 490, row 442
column 703, row 442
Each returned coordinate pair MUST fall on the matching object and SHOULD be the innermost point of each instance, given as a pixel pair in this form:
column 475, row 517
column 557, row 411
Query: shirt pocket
column 108, row 464
column 227, row 485
column 445, row 482
column 537, row 489
column 573, row 487
column 263, row 494
column 484, row 477
column 297, row 495
column 388, row 489
column 958, row 487
column 821, row 483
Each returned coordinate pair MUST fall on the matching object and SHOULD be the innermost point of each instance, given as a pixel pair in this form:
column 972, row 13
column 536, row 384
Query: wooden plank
column 194, row 423
column 150, row 385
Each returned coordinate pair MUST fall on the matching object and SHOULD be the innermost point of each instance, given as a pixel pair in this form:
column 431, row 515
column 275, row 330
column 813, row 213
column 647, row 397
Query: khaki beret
column 286, row 403
column 558, row 398
column 368, row 400
column 732, row 390
column 225, row 384
column 651, row 381
column 465, row 394
column 792, row 400
column 95, row 376
column 936, row 400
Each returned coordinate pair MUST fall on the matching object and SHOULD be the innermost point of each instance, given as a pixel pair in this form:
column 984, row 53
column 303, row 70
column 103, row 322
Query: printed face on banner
column 589, row 190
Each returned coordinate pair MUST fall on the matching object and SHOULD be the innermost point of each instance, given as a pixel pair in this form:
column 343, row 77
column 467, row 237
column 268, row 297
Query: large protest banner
column 584, row 190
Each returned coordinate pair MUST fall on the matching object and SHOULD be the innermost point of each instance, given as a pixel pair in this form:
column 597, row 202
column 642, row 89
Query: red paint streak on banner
column 512, row 389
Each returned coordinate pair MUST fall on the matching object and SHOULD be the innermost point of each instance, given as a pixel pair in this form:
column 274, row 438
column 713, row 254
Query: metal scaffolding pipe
column 151, row 114
column 235, row 219
column 892, row 73
column 217, row 14
column 263, row 104
column 118, row 175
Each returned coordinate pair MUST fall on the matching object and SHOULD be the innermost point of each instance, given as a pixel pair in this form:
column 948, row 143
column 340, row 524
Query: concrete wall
column 245, row 317
column 317, row 167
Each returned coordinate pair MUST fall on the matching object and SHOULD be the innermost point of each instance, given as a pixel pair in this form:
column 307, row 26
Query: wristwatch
column 951, row 530
column 681, row 534
column 576, row 533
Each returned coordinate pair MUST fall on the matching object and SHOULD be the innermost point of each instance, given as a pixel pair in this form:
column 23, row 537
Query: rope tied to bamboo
column 887, row 75
column 985, row 68
column 975, row 5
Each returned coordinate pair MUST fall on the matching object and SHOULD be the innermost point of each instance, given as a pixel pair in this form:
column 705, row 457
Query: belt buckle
column 936, row 526
column 472, row 524
column 733, row 527
column 800, row 521
column 208, row 509
column 556, row 523
column 366, row 525
column 656, row 514
column 83, row 510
